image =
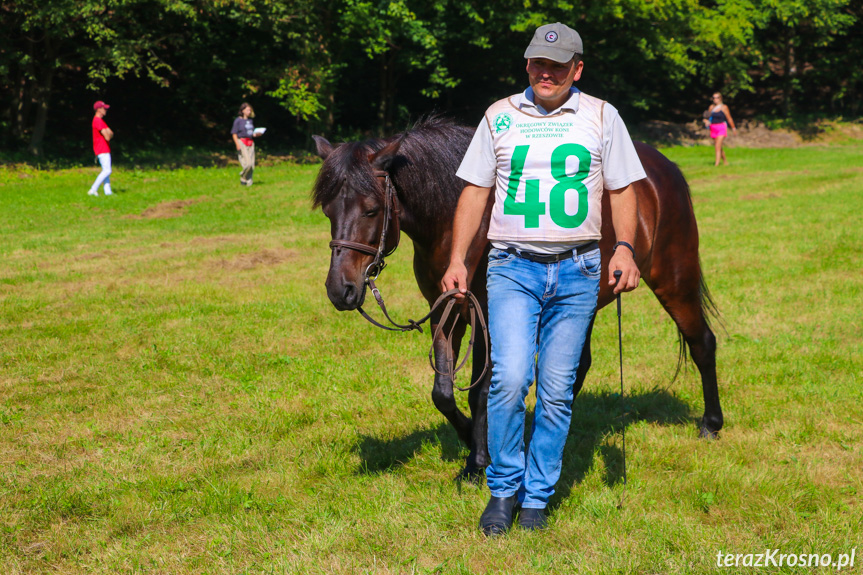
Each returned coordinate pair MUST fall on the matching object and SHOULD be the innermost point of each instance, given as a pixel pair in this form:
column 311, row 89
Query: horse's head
column 352, row 191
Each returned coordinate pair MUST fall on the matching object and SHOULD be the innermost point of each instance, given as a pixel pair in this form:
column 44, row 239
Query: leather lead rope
column 475, row 316
column 411, row 324
column 477, row 320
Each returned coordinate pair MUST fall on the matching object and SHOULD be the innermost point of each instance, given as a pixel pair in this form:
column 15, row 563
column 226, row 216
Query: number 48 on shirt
column 532, row 208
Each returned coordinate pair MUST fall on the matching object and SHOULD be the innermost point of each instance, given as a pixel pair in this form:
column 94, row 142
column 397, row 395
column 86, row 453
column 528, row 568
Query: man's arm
column 468, row 217
column 624, row 218
column 107, row 134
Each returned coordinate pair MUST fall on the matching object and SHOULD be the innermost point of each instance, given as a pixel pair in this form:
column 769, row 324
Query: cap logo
column 551, row 36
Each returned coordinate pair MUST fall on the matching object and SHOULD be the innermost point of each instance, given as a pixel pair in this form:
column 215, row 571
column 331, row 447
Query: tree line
column 175, row 71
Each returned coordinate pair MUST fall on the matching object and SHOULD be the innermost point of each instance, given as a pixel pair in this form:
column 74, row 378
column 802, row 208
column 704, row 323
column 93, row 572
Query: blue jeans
column 539, row 315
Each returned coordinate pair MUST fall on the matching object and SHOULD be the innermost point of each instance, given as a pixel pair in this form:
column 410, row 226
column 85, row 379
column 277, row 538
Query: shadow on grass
column 594, row 417
column 381, row 455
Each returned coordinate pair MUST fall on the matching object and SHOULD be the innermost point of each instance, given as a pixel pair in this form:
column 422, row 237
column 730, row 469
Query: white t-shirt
column 549, row 169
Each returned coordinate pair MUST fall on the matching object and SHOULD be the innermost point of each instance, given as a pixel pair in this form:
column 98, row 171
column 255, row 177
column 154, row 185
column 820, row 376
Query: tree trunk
column 24, row 97
column 389, row 119
column 43, row 97
column 382, row 97
column 22, row 107
column 789, row 70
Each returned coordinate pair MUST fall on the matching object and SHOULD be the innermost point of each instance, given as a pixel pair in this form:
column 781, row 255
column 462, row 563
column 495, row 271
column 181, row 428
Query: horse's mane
column 423, row 171
column 347, row 162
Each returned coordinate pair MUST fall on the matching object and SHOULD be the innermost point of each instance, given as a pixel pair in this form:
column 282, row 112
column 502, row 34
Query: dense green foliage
column 177, row 69
column 178, row 396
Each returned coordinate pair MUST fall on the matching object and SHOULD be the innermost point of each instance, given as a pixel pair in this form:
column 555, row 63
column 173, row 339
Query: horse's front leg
column 443, row 394
column 477, row 398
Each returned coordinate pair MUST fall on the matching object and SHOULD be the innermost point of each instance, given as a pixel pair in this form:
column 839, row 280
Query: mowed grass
column 177, row 394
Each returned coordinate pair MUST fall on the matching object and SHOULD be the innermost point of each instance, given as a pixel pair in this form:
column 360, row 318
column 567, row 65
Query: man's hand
column 622, row 260
column 624, row 217
column 455, row 277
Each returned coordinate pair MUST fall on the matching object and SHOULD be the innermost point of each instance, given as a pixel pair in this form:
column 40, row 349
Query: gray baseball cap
column 556, row 42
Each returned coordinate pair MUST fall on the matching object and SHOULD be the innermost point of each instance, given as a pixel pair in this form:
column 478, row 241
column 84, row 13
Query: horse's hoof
column 471, row 474
column 707, row 434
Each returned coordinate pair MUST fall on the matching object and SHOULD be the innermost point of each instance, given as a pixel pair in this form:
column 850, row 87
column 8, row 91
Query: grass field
column 177, row 394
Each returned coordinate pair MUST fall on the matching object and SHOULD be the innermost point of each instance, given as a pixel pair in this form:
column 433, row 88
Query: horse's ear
column 323, row 146
column 383, row 159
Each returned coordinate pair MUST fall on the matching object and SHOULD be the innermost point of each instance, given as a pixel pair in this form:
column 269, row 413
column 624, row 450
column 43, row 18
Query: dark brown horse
column 421, row 165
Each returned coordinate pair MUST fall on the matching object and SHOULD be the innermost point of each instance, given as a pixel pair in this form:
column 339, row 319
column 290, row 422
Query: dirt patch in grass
column 751, row 133
column 760, row 196
column 172, row 209
column 93, row 256
column 200, row 241
column 266, row 257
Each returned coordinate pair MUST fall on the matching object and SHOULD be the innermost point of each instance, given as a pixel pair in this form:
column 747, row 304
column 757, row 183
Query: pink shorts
column 717, row 130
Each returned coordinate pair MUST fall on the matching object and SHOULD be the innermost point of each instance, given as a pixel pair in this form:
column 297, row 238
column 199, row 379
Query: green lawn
column 177, row 394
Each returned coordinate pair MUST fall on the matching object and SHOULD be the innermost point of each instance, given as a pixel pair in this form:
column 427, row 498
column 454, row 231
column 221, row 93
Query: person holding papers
column 243, row 133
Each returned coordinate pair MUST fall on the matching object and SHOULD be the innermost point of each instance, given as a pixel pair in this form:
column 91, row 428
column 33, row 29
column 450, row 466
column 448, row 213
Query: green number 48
column 531, row 208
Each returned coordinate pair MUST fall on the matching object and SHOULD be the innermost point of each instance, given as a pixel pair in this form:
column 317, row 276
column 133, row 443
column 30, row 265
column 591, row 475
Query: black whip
column 617, row 275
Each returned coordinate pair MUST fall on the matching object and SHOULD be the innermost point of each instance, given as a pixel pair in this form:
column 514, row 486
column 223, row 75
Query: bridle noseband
column 374, row 269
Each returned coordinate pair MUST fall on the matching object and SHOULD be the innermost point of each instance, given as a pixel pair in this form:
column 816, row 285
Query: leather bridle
column 374, row 269
column 391, row 212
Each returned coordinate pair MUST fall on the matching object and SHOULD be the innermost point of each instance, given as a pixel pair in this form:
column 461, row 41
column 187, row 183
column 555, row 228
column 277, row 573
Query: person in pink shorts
column 717, row 120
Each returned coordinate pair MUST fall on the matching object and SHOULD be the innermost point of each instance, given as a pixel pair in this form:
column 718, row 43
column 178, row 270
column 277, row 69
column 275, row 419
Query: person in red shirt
column 101, row 135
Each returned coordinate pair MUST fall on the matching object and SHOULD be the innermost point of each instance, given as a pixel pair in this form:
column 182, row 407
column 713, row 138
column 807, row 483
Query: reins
column 374, row 269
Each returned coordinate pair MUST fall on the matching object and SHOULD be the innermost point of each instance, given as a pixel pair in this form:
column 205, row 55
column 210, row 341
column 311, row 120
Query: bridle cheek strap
column 391, row 218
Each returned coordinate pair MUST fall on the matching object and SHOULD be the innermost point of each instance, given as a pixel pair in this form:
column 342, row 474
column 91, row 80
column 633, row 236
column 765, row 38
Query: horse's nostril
column 350, row 294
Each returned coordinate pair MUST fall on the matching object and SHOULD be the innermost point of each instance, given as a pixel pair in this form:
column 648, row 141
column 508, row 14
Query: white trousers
column 104, row 176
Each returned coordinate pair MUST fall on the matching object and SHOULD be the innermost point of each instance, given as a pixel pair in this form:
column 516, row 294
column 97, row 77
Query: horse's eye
column 371, row 213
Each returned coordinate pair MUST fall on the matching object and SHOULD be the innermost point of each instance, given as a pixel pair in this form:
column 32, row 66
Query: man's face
column 101, row 112
column 552, row 80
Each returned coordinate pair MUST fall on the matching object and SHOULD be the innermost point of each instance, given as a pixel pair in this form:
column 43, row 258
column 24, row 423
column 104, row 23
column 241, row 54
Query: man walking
column 101, row 135
column 550, row 154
